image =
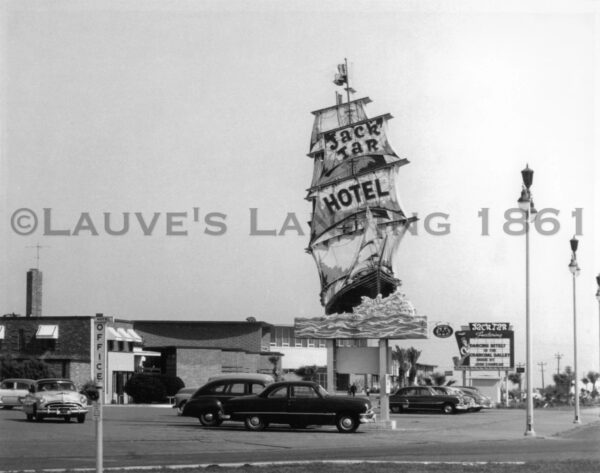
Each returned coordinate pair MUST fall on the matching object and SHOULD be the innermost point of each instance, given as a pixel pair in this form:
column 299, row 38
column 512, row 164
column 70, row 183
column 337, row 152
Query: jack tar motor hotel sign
column 486, row 346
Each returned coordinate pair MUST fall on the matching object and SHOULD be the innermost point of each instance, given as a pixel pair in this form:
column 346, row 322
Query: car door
column 403, row 399
column 274, row 405
column 428, row 399
column 307, row 407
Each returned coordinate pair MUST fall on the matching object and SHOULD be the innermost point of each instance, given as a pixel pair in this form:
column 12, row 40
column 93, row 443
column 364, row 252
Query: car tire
column 29, row 417
column 255, row 423
column 38, row 417
column 346, row 423
column 67, row 418
column 448, row 409
column 210, row 419
column 396, row 409
column 80, row 418
column 8, row 408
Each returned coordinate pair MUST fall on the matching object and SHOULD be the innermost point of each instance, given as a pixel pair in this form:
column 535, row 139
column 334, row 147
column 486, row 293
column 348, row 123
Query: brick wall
column 80, row 372
column 195, row 366
column 73, row 341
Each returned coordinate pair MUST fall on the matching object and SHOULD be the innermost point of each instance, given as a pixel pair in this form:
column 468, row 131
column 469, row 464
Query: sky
column 181, row 113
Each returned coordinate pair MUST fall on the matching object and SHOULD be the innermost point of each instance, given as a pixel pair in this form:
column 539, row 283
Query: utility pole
column 541, row 365
column 558, row 356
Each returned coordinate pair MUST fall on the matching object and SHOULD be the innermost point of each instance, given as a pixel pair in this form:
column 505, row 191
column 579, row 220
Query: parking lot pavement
column 157, row 436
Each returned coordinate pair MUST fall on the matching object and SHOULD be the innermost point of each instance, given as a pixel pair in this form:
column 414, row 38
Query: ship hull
column 368, row 285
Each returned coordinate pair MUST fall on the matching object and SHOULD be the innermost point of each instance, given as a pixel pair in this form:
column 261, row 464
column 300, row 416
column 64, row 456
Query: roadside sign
column 100, row 351
column 520, row 370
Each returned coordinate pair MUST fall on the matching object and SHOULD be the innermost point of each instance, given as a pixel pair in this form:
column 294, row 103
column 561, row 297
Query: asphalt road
column 143, row 436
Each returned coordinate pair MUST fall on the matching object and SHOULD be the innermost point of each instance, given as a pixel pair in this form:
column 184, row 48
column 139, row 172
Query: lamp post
column 574, row 269
column 526, row 204
column 598, row 299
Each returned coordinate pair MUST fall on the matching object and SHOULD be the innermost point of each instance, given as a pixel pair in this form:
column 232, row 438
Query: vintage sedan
column 55, row 397
column 12, row 390
column 468, row 399
column 425, row 398
column 483, row 401
column 204, row 402
column 299, row 404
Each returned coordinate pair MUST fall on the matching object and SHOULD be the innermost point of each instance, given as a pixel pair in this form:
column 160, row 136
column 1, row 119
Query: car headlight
column 367, row 406
column 42, row 400
column 83, row 400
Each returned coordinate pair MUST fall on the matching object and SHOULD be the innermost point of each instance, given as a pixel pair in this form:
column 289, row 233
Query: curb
column 265, row 464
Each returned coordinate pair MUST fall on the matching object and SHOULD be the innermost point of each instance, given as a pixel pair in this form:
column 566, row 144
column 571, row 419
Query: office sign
column 99, row 360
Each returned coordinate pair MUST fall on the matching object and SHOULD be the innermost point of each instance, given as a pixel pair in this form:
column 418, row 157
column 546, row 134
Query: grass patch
column 570, row 466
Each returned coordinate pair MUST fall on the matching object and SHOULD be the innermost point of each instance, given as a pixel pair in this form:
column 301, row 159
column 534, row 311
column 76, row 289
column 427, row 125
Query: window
column 322, row 343
column 218, row 388
column 256, row 388
column 279, row 392
column 237, row 388
column 303, row 392
column 311, row 342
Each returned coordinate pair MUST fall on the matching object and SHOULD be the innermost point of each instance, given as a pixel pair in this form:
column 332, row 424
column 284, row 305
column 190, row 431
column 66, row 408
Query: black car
column 299, row 404
column 205, row 402
column 425, row 398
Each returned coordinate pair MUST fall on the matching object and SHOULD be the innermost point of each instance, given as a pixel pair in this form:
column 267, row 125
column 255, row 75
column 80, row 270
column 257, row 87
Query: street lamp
column 598, row 299
column 526, row 204
column 574, row 269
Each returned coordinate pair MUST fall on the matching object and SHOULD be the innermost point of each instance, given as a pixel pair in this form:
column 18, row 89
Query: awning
column 125, row 335
column 112, row 334
column 47, row 332
column 134, row 335
column 142, row 352
column 1, row 332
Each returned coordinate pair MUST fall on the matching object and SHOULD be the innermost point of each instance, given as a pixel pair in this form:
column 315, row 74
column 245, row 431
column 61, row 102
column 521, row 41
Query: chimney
column 34, row 293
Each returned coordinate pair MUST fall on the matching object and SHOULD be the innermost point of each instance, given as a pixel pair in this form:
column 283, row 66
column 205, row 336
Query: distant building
column 196, row 350
column 65, row 345
column 34, row 293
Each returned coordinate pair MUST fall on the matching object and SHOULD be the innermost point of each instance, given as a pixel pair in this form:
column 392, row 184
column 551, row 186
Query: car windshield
column 56, row 386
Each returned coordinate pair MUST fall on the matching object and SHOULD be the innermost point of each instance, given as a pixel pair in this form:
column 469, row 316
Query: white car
column 55, row 397
column 12, row 390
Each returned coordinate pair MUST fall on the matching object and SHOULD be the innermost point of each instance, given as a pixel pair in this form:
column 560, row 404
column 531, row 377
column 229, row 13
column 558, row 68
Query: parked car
column 55, row 397
column 483, row 401
column 425, row 398
column 203, row 403
column 12, row 390
column 468, row 399
column 182, row 396
column 299, row 404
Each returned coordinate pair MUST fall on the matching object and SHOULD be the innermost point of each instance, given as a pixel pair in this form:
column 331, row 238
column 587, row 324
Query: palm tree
column 400, row 355
column 435, row 379
column 515, row 378
column 413, row 355
column 593, row 376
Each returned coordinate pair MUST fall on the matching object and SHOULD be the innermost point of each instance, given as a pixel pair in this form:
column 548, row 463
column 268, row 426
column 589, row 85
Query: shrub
column 145, row 389
column 30, row 368
column 172, row 384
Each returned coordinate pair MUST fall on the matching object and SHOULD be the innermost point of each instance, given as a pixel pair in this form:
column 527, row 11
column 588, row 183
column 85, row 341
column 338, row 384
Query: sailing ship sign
column 357, row 219
column 357, row 224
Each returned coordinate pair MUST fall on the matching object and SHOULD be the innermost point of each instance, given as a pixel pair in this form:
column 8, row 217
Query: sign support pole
column 99, row 379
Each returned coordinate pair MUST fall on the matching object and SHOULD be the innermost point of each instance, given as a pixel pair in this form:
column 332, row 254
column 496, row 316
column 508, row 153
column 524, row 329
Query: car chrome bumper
column 367, row 417
column 62, row 411
column 462, row 407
